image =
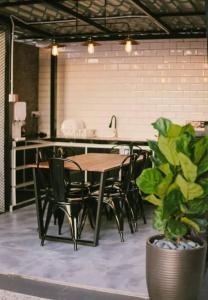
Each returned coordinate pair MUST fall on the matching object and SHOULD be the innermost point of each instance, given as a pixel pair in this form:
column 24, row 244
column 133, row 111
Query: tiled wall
column 166, row 78
column 26, row 81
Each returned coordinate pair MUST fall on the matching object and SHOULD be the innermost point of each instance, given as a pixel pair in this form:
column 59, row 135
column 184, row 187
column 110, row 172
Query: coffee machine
column 19, row 116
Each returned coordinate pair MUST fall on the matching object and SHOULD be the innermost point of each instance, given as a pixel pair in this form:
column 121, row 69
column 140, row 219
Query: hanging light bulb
column 54, row 49
column 90, row 45
column 128, row 43
column 54, row 46
column 128, row 46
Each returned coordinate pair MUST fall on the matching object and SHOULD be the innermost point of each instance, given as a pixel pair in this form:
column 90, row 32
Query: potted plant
column 177, row 185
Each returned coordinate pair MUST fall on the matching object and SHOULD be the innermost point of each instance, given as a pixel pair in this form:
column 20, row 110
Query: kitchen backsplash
column 166, row 78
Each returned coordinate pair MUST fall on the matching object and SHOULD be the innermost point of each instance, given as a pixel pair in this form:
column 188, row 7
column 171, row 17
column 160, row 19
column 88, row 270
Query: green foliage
column 177, row 184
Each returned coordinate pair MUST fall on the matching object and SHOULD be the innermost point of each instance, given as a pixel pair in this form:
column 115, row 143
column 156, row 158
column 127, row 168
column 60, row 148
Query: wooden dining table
column 91, row 162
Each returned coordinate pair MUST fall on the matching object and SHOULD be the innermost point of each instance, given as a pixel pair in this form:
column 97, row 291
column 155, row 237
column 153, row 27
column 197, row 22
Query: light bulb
column 54, row 50
column 128, row 46
column 91, row 48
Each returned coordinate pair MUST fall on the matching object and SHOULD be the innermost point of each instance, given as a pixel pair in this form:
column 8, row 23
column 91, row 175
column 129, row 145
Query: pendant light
column 128, row 43
column 54, row 46
column 90, row 45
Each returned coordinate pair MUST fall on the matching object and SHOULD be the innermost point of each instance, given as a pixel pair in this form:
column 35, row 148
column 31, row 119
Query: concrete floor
column 112, row 266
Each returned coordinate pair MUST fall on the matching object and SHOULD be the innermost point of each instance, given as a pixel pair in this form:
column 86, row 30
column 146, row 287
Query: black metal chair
column 115, row 195
column 67, row 200
column 142, row 161
column 44, row 154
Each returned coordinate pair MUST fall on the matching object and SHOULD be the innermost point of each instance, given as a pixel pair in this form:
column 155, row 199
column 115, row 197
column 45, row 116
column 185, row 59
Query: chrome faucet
column 115, row 125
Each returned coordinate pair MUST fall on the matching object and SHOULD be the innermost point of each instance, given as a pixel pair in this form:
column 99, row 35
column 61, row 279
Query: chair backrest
column 121, row 148
column 44, row 154
column 57, row 176
column 142, row 162
column 62, row 179
column 64, row 152
column 127, row 171
column 41, row 182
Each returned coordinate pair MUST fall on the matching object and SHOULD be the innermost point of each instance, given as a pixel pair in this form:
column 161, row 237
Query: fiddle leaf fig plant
column 177, row 184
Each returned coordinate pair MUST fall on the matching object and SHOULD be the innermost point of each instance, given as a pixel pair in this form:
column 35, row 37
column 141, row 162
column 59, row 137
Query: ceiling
column 78, row 20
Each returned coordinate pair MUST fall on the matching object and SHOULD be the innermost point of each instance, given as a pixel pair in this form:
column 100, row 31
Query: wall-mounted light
column 128, row 43
column 90, row 45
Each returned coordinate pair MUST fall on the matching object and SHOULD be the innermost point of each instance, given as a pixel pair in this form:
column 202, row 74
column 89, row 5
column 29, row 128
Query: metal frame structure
column 78, row 20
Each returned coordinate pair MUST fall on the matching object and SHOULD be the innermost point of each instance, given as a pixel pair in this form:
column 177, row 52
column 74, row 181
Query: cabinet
column 22, row 184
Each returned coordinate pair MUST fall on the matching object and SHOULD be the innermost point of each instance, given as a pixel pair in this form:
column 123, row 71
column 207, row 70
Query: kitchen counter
column 101, row 140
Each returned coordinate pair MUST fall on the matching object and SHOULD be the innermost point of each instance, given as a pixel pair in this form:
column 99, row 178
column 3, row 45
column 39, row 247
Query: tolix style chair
column 67, row 200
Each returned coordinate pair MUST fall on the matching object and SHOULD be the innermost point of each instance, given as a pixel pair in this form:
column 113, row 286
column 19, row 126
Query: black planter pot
column 174, row 274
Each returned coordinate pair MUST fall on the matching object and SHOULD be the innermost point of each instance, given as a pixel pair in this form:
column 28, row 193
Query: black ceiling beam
column 152, row 17
column 160, row 15
column 21, row 2
column 6, row 20
column 120, row 36
column 31, row 28
column 181, row 14
column 77, row 15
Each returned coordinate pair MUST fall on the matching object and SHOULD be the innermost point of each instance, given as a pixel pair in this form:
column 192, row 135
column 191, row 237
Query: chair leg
column 74, row 222
column 92, row 210
column 60, row 217
column 69, row 211
column 82, row 220
column 47, row 222
column 141, row 206
column 129, row 214
column 118, row 217
column 133, row 208
column 45, row 205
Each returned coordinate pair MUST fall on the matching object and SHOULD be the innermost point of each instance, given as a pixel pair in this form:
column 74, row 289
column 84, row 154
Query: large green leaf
column 190, row 190
column 153, row 199
column 202, row 222
column 171, row 203
column 162, row 125
column 163, row 186
column 203, row 165
column 149, row 180
column 168, row 148
column 176, row 228
column 191, row 223
column 184, row 144
column 200, row 148
column 189, row 129
column 174, row 131
column 204, row 184
column 165, row 168
column 188, row 168
column 158, row 156
column 197, row 207
column 158, row 222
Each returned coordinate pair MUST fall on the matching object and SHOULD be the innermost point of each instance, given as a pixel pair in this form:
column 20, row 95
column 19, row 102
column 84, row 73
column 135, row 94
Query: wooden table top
column 93, row 162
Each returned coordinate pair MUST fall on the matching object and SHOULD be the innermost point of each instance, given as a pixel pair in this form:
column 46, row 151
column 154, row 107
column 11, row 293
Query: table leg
column 98, row 217
column 39, row 209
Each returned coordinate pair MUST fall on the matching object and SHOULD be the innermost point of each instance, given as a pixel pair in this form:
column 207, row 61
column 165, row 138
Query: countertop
column 60, row 141
column 100, row 140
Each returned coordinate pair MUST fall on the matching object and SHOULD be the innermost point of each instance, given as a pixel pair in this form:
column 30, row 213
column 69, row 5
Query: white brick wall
column 166, row 78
